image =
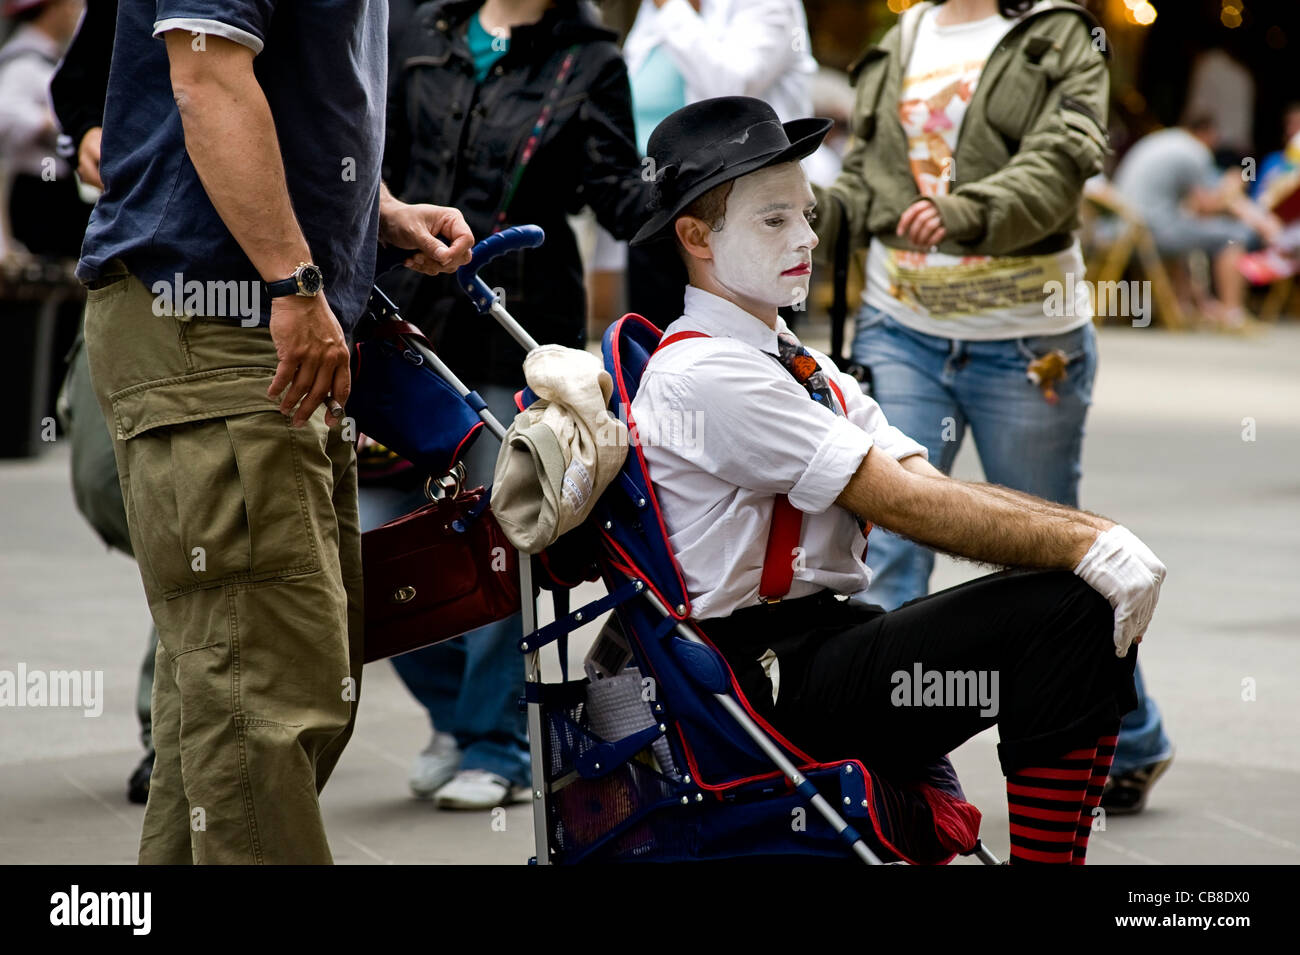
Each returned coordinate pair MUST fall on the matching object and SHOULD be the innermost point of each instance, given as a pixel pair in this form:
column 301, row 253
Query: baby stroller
column 657, row 756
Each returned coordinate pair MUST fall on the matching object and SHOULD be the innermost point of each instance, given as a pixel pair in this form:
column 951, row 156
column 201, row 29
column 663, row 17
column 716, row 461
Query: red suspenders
column 787, row 520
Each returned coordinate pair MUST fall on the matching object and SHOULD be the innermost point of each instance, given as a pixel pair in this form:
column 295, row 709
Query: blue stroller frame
column 728, row 785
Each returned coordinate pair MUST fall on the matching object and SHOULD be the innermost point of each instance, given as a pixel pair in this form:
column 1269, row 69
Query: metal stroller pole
column 483, row 298
column 516, row 330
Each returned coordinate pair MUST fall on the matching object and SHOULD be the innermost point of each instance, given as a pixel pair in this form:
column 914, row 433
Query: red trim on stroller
column 465, row 441
column 635, row 446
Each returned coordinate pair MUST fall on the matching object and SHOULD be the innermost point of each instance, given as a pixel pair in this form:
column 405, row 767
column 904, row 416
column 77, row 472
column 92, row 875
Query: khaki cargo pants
column 249, row 546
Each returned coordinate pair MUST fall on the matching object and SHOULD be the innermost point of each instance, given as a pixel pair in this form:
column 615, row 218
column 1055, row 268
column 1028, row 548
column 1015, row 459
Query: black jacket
column 79, row 86
column 454, row 142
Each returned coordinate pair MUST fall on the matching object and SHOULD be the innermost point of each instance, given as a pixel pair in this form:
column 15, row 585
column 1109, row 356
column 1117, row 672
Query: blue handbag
column 402, row 402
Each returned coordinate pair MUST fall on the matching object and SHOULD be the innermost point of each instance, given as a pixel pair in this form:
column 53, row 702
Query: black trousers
column 900, row 689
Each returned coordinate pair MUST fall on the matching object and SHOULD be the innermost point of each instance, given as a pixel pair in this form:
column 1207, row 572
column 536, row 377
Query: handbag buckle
column 449, row 484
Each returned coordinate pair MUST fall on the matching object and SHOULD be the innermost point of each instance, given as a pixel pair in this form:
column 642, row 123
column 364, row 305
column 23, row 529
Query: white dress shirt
column 724, row 428
column 754, row 48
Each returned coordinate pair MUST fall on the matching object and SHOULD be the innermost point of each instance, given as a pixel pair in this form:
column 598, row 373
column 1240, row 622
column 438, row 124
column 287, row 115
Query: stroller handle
column 498, row 244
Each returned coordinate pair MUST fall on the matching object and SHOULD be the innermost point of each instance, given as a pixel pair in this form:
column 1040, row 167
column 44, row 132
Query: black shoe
column 1127, row 793
column 137, row 787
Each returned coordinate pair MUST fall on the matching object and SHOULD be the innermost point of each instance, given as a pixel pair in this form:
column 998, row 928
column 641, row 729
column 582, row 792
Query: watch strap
column 287, row 286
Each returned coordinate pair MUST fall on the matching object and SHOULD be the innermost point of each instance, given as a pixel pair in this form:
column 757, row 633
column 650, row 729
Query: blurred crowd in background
column 1220, row 69
column 1198, row 197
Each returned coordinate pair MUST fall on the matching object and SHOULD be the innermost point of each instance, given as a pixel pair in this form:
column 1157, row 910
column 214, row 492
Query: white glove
column 1123, row 570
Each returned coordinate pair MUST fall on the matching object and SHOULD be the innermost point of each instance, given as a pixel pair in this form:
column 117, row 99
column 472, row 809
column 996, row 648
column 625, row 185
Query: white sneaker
column 435, row 766
column 478, row 789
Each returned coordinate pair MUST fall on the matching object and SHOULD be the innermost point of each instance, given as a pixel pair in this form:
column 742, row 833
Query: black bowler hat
column 714, row 141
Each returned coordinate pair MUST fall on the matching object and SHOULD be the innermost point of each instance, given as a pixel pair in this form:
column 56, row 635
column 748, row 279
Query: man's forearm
column 1044, row 507
column 980, row 522
column 231, row 139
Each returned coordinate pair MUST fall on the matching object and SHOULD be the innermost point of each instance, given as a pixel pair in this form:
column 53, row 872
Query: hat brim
column 805, row 136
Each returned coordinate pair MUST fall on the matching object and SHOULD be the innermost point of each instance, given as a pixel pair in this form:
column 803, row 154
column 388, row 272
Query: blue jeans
column 1142, row 739
column 934, row 389
column 471, row 685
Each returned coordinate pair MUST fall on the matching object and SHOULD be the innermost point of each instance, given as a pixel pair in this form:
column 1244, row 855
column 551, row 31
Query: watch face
column 310, row 280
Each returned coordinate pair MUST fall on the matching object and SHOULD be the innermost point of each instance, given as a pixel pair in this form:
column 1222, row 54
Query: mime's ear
column 694, row 234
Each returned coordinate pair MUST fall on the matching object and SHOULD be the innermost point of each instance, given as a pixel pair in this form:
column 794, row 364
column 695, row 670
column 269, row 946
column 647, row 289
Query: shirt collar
column 724, row 319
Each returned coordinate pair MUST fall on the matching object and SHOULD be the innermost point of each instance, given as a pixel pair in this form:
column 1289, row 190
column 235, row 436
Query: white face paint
column 762, row 255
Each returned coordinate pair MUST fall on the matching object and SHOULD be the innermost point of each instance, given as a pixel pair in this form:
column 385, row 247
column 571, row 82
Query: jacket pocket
column 1089, row 139
column 217, row 496
column 1015, row 101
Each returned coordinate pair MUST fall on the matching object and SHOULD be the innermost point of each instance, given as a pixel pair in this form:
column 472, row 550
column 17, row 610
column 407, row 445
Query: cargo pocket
column 217, row 487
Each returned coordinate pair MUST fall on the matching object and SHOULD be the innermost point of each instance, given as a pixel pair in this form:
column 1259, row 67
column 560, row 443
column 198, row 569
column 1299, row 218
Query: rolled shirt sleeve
column 867, row 415
column 759, row 431
column 242, row 21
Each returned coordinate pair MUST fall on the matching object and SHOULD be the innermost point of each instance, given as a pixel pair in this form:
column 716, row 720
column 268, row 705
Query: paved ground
column 1165, row 454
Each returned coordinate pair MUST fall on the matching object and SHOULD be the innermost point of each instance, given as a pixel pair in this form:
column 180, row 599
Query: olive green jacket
column 1033, row 132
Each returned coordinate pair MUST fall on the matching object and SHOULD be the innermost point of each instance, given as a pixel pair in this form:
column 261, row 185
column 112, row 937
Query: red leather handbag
column 442, row 570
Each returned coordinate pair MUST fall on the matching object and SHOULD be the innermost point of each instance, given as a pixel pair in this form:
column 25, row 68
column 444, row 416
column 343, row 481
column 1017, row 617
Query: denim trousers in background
column 470, row 685
column 935, row 389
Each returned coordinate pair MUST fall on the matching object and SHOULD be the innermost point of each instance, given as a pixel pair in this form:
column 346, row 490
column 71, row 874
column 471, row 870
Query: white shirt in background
column 754, row 48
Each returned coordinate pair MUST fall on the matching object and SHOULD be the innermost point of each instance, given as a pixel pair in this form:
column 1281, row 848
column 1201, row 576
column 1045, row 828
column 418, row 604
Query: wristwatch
column 307, row 279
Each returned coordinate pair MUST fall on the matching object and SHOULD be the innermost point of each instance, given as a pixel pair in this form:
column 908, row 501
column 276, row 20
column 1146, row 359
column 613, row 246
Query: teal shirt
column 480, row 47
column 657, row 90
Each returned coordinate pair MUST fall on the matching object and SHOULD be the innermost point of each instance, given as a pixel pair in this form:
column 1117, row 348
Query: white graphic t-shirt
column 968, row 297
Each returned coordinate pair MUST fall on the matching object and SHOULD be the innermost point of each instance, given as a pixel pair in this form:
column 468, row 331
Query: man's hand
column 418, row 227
column 88, row 157
column 922, row 225
column 313, row 357
column 1124, row 570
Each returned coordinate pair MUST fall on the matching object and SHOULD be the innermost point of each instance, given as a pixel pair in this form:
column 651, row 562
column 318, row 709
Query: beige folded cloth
column 561, row 452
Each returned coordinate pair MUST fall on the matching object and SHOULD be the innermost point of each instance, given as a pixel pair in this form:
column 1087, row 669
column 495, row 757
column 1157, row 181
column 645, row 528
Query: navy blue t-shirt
column 323, row 67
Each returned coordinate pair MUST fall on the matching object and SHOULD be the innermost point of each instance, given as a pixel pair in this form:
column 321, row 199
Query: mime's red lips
column 804, row 269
